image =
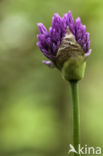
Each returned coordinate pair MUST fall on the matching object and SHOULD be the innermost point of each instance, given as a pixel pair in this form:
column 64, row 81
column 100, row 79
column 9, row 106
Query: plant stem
column 76, row 115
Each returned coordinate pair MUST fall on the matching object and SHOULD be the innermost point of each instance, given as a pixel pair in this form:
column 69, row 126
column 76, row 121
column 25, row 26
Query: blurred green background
column 35, row 103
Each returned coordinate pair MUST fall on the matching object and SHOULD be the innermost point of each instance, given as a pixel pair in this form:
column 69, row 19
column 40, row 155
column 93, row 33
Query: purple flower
column 50, row 41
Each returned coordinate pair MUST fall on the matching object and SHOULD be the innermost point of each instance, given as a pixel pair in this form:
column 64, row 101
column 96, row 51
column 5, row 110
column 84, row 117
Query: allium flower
column 65, row 38
column 67, row 46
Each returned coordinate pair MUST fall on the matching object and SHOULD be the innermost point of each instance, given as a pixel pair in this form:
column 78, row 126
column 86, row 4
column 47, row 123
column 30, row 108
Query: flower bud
column 66, row 44
column 70, row 58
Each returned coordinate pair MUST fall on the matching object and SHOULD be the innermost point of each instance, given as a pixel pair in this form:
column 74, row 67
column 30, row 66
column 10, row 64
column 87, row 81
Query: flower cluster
column 50, row 41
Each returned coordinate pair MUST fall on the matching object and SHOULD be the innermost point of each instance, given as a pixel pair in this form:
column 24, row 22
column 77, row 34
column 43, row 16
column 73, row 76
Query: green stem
column 76, row 115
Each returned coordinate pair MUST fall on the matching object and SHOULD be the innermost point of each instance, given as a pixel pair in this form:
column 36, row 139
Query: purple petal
column 82, row 36
column 48, row 63
column 70, row 22
column 42, row 28
column 88, row 53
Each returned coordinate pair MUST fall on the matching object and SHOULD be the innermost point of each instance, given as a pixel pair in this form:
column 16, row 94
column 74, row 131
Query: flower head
column 66, row 45
column 50, row 41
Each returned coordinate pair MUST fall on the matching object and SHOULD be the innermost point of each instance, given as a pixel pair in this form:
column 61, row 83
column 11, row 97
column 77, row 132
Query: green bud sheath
column 74, row 68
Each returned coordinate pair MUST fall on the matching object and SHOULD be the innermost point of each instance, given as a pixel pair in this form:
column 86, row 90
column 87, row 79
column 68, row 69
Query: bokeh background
column 35, row 102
